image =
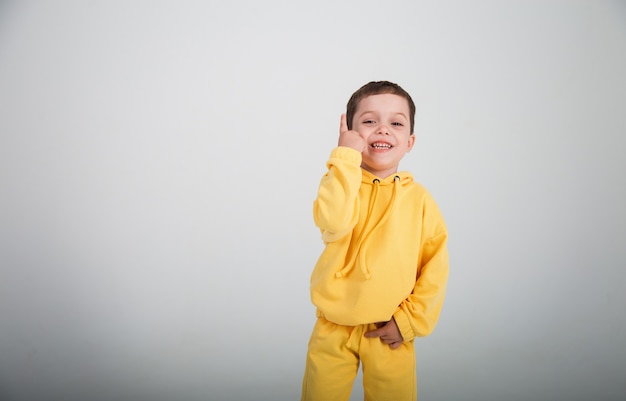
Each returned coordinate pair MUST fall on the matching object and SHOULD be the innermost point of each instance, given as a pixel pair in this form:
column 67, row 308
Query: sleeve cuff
column 346, row 154
column 403, row 325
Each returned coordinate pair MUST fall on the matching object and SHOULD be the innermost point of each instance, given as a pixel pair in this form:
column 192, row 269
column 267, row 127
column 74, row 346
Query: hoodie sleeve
column 336, row 209
column 417, row 315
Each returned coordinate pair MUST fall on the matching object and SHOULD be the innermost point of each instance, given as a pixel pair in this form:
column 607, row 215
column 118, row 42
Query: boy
column 381, row 279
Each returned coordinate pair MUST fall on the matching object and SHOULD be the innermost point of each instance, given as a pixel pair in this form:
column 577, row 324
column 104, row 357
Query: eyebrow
column 373, row 111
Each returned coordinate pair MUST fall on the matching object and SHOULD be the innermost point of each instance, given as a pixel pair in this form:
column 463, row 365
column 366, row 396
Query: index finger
column 343, row 126
column 373, row 333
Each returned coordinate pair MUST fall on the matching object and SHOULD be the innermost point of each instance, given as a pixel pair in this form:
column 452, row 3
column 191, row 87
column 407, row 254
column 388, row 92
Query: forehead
column 385, row 102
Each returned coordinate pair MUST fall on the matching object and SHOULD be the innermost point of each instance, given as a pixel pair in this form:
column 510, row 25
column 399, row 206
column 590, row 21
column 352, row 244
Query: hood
column 404, row 176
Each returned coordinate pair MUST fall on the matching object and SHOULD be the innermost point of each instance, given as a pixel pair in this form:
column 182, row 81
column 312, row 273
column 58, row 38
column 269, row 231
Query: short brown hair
column 378, row 88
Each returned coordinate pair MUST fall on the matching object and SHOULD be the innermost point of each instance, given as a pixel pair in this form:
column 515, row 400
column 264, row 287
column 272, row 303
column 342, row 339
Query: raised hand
column 350, row 138
column 388, row 333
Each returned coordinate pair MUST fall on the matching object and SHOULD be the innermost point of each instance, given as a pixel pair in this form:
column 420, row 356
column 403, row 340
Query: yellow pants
column 333, row 362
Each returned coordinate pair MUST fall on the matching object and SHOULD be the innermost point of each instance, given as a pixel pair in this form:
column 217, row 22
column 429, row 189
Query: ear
column 411, row 142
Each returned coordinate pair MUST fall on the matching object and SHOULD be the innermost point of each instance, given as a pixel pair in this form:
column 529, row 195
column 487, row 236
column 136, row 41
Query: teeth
column 381, row 145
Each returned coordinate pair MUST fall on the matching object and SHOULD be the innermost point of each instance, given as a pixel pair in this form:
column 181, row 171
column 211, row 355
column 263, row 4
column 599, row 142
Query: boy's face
column 384, row 123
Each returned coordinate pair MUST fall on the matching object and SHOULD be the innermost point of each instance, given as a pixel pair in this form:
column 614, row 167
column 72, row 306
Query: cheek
column 364, row 131
column 408, row 141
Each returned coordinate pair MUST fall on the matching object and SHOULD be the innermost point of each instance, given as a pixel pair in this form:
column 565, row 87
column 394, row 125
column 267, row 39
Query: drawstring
column 384, row 217
column 343, row 272
column 363, row 238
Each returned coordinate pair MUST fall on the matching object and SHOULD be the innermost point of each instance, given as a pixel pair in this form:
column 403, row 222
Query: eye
column 368, row 122
column 397, row 124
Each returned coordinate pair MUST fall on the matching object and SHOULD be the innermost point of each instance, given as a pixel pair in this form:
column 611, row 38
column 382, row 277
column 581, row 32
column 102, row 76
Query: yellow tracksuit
column 385, row 257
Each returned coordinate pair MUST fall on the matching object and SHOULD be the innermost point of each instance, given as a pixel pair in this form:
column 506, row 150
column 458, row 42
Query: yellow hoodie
column 385, row 253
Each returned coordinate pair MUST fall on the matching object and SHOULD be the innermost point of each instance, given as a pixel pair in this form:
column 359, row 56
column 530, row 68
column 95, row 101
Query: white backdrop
column 159, row 160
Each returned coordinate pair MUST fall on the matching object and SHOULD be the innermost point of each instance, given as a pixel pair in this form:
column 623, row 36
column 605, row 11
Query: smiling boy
column 381, row 279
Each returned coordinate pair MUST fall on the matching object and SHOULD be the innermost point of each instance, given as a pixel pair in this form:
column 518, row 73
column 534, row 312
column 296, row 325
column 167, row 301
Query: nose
column 382, row 129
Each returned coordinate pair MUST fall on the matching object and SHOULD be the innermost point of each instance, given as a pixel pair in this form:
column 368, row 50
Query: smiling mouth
column 380, row 145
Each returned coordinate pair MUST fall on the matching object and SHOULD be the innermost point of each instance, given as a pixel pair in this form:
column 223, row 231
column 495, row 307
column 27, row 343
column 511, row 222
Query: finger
column 374, row 333
column 389, row 340
column 395, row 345
column 343, row 125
